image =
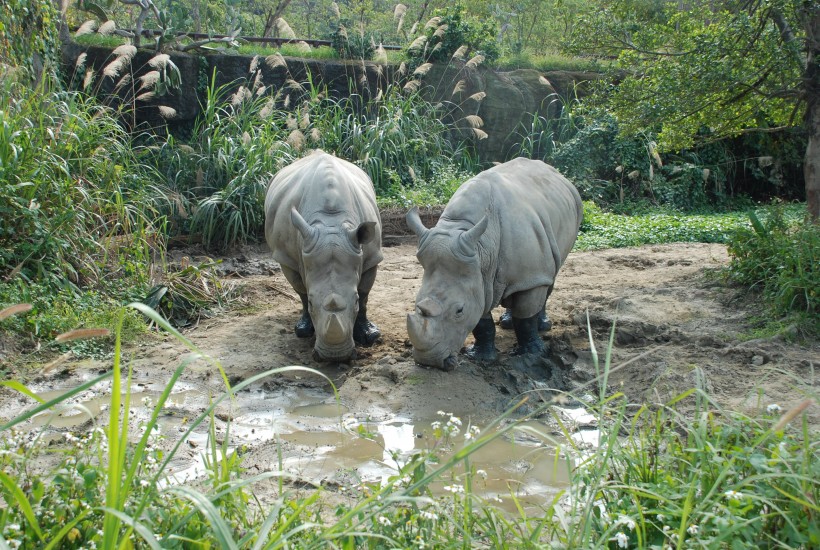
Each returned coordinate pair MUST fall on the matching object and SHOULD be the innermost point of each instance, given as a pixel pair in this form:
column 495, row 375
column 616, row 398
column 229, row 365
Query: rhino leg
column 484, row 347
column 365, row 332
column 304, row 326
column 544, row 323
column 526, row 332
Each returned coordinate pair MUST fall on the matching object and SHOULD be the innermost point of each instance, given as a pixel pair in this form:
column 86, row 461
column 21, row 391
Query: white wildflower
column 455, row 489
column 774, row 408
column 621, row 539
column 384, row 521
column 425, row 514
column 733, row 495
column 626, row 520
column 692, row 529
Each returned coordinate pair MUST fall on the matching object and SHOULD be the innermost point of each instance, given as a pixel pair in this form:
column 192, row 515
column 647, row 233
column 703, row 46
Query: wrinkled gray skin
column 323, row 226
column 501, row 240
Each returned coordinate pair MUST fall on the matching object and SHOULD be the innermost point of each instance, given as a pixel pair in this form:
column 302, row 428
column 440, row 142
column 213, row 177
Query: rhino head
column 332, row 259
column 451, row 299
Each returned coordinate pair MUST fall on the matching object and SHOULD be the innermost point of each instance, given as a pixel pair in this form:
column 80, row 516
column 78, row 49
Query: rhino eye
column 459, row 310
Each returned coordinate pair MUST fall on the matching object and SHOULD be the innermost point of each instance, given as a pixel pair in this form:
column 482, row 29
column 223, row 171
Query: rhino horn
column 335, row 333
column 309, row 233
column 363, row 234
column 468, row 240
column 334, row 303
column 414, row 223
column 429, row 307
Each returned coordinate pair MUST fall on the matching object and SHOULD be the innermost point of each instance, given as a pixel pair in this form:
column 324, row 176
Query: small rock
column 758, row 360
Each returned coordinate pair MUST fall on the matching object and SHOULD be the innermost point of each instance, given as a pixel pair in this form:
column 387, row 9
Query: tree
column 711, row 70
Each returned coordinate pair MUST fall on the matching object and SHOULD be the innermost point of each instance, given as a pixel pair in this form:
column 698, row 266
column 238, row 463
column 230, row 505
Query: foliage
column 721, row 70
column 29, row 35
column 240, row 139
column 657, row 226
column 352, row 44
column 77, row 204
column 779, row 259
column 449, row 30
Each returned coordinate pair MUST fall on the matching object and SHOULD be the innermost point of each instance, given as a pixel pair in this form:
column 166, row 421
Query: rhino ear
column 363, row 234
column 468, row 240
column 309, row 233
column 414, row 223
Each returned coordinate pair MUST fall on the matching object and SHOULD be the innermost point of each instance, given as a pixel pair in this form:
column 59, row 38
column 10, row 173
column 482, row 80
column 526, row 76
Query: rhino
column 324, row 229
column 501, row 240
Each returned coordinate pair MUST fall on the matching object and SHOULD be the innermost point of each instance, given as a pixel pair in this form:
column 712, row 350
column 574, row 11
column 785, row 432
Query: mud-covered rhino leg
column 364, row 331
column 544, row 323
column 525, row 323
column 484, row 347
column 304, row 326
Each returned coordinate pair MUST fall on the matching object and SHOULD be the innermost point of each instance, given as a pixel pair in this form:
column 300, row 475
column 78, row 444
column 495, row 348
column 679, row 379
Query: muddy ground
column 677, row 327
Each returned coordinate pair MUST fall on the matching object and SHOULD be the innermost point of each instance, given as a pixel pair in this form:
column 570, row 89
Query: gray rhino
column 501, row 240
column 323, row 226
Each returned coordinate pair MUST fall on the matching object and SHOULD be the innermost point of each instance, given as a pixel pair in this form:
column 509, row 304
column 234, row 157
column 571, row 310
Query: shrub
column 449, row 30
column 353, row 45
column 780, row 260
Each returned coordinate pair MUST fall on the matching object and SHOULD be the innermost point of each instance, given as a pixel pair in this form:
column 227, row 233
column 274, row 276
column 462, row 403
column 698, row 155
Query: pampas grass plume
column 275, row 60
column 159, row 61
column 475, row 61
column 86, row 28
column 167, row 112
column 296, row 139
column 422, row 69
column 107, row 28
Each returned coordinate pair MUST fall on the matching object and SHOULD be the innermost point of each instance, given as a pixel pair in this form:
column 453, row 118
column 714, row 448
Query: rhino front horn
column 335, row 333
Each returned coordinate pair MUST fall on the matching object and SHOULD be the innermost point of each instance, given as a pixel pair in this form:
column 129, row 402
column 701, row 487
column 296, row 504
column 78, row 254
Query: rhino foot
column 304, row 327
column 544, row 323
column 482, row 354
column 365, row 333
column 529, row 348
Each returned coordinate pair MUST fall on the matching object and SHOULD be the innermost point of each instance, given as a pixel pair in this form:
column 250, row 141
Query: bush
column 449, row 30
column 780, row 260
column 353, row 45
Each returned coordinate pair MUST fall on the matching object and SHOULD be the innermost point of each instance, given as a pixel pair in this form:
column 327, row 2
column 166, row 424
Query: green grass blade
column 18, row 499
column 219, row 528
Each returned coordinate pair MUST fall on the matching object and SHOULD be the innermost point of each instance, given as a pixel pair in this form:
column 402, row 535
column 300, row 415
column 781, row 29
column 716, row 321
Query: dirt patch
column 674, row 328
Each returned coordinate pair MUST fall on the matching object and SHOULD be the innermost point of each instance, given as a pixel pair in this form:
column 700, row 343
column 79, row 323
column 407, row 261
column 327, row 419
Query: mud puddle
column 309, row 436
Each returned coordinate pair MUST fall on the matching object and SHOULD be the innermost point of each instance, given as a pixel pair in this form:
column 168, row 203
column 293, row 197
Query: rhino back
column 535, row 215
column 322, row 188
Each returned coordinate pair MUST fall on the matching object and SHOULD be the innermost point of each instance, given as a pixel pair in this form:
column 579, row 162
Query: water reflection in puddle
column 318, row 440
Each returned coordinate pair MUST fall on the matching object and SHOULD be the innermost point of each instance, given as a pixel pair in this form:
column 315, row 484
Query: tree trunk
column 273, row 16
column 811, row 165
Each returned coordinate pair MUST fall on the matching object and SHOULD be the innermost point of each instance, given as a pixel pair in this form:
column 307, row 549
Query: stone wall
column 512, row 97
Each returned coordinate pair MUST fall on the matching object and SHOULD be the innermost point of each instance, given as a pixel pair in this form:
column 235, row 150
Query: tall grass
column 79, row 215
column 246, row 132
